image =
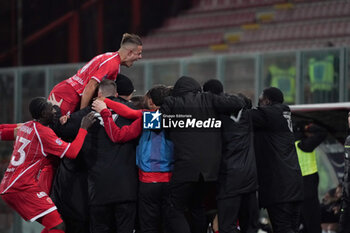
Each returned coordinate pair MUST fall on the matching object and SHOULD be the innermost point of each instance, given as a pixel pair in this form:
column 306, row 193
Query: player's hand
column 98, row 105
column 87, row 120
column 53, row 100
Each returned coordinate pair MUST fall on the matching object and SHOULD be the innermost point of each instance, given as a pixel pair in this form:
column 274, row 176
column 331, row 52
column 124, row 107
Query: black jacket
column 69, row 189
column 112, row 172
column 110, row 168
column 196, row 151
column 238, row 173
column 279, row 173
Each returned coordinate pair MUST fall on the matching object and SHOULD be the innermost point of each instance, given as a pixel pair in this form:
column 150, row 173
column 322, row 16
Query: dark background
column 69, row 31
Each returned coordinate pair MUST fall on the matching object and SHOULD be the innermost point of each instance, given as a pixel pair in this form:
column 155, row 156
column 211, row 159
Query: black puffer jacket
column 197, row 151
column 278, row 168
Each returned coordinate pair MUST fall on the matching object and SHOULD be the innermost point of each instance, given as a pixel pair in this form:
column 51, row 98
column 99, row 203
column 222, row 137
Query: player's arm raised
column 53, row 145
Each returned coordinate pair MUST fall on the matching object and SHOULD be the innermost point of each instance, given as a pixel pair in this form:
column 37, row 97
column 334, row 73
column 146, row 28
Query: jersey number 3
column 21, row 152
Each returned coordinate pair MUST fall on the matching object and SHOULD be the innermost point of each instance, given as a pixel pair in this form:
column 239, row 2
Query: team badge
column 59, row 141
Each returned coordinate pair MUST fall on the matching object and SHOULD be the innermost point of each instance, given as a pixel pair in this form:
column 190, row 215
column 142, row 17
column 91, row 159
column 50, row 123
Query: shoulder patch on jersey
column 59, row 141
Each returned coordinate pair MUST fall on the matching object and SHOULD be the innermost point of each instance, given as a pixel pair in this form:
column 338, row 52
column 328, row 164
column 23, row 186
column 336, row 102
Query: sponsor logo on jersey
column 10, row 169
column 78, row 79
column 41, row 194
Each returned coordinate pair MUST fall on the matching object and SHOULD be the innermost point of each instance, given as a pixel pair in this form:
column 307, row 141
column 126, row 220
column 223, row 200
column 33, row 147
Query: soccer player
column 35, row 143
column 80, row 88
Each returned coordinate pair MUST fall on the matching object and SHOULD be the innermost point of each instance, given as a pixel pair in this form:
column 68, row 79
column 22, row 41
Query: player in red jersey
column 35, row 143
column 80, row 88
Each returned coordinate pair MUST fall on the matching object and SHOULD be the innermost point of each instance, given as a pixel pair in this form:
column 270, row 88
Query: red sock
column 51, row 220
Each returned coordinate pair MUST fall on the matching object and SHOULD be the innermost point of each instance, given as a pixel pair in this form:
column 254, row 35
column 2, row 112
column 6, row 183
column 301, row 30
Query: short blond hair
column 130, row 39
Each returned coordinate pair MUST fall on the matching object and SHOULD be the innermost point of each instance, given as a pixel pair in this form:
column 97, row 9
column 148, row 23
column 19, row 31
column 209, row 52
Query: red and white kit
column 20, row 187
column 103, row 66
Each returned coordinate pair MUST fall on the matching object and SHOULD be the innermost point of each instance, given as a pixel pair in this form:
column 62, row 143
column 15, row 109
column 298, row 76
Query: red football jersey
column 106, row 65
column 33, row 143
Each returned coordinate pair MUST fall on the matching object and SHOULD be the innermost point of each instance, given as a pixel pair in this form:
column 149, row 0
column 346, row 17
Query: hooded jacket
column 197, row 150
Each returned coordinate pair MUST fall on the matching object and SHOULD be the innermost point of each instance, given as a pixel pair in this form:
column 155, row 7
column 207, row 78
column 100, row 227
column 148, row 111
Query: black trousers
column 187, row 211
column 113, row 217
column 285, row 217
column 311, row 211
column 243, row 207
column 153, row 206
column 75, row 226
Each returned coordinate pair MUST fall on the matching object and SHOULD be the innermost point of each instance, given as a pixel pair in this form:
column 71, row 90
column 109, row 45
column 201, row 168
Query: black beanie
column 124, row 85
column 214, row 86
column 274, row 94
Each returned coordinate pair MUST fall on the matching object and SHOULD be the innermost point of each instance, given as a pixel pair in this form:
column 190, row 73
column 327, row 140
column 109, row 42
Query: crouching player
column 34, row 145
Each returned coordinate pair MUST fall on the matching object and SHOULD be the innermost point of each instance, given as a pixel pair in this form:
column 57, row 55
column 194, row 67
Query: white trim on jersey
column 64, row 152
column 14, row 181
column 44, row 213
column 108, row 60
column 42, row 147
column 95, row 79
column 41, row 144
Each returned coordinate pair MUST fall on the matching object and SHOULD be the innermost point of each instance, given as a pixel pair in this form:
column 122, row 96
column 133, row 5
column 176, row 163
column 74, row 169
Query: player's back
column 27, row 159
column 110, row 63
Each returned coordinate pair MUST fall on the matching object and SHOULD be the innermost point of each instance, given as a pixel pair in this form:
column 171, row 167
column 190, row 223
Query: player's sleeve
column 51, row 144
column 7, row 134
column 107, row 68
column 8, row 126
column 226, row 104
column 259, row 118
column 123, row 110
column 123, row 134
